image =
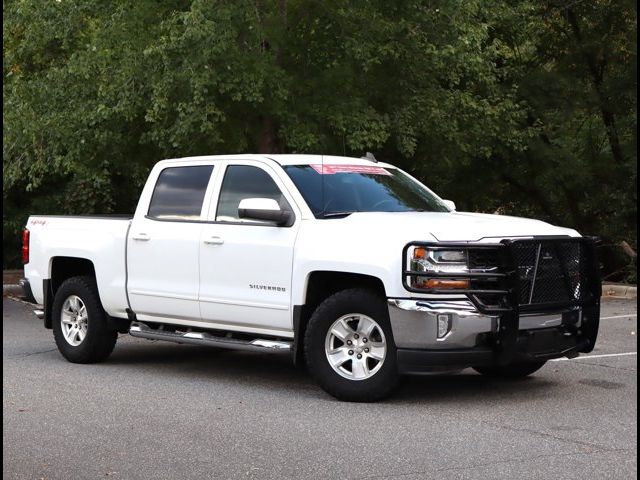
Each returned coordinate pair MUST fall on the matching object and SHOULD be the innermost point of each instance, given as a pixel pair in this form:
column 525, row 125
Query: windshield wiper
column 335, row 214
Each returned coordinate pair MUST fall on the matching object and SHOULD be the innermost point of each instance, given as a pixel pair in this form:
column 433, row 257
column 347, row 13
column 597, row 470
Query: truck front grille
column 550, row 271
column 534, row 275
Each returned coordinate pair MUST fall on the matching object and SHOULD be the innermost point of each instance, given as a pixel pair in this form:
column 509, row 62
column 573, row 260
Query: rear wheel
column 79, row 322
column 349, row 346
column 513, row 370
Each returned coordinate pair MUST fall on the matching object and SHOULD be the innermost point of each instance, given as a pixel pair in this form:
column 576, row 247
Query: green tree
column 523, row 107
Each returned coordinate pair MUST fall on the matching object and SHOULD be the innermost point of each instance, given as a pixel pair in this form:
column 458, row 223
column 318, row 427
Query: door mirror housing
column 264, row 209
column 450, row 204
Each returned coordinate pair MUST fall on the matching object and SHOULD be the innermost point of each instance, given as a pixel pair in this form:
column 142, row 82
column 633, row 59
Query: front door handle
column 214, row 241
column 141, row 237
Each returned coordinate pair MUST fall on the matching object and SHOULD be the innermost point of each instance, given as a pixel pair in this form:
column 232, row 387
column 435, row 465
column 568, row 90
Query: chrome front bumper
column 414, row 323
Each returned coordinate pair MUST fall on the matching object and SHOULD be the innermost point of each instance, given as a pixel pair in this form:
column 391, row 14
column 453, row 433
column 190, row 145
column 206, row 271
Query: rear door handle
column 214, row 241
column 141, row 237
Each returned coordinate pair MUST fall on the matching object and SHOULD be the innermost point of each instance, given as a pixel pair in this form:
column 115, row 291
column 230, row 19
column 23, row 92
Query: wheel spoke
column 359, row 368
column 338, row 357
column 66, row 319
column 377, row 350
column 71, row 334
column 81, row 334
column 366, row 326
column 342, row 330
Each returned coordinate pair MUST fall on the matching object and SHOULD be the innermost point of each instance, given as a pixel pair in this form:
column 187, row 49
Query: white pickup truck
column 348, row 265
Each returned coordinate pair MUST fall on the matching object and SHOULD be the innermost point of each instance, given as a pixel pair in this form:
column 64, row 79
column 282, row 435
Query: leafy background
column 518, row 107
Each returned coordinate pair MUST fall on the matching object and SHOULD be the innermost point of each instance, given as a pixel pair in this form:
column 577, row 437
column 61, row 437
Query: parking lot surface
column 167, row 411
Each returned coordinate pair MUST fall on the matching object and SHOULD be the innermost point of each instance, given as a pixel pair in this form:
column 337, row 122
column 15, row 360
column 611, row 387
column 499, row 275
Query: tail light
column 25, row 246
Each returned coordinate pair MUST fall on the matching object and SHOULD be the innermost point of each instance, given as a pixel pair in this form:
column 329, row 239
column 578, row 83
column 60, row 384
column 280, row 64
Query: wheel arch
column 321, row 284
column 62, row 268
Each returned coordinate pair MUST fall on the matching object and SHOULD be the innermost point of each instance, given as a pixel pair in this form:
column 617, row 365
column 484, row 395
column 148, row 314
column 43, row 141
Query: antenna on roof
column 369, row 156
column 324, row 207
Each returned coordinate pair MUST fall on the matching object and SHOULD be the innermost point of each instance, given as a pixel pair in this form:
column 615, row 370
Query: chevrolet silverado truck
column 349, row 265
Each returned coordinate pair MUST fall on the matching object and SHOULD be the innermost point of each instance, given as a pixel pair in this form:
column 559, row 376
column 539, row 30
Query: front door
column 245, row 276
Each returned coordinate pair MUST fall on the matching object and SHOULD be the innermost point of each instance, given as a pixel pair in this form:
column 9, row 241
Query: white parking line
column 620, row 316
column 596, row 356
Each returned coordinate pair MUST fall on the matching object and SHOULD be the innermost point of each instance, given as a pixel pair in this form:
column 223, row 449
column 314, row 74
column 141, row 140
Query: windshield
column 356, row 188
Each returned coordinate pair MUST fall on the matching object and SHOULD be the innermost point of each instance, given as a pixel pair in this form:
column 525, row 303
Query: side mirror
column 264, row 209
column 450, row 204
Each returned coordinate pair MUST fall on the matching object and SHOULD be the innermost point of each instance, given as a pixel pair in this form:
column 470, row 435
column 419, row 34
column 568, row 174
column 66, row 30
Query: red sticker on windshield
column 332, row 169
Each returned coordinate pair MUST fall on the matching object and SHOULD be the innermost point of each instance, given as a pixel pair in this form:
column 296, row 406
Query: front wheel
column 349, row 346
column 79, row 322
column 512, row 370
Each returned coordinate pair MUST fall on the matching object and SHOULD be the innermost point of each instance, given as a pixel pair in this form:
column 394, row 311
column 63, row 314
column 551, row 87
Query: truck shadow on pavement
column 275, row 372
column 469, row 387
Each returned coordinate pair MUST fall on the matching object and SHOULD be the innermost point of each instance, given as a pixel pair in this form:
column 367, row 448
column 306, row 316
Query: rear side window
column 179, row 193
column 244, row 181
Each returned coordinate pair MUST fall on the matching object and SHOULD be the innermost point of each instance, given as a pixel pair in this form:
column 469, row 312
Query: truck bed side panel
column 99, row 240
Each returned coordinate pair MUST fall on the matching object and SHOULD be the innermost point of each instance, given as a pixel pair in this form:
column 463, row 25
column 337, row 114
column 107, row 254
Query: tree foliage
column 524, row 107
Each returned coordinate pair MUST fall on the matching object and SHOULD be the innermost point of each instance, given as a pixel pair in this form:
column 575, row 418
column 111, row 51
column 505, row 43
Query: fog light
column 444, row 325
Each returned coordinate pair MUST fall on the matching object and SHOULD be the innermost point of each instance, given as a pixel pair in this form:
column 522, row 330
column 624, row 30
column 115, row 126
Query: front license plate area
column 542, row 341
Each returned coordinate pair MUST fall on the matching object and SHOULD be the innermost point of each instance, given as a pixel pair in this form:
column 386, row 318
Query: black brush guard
column 534, row 275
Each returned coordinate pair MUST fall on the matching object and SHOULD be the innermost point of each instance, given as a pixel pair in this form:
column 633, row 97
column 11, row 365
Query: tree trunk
column 268, row 141
column 534, row 194
column 596, row 69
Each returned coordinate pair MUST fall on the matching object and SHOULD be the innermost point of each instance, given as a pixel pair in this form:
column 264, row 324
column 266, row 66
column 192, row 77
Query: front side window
column 245, row 181
column 179, row 193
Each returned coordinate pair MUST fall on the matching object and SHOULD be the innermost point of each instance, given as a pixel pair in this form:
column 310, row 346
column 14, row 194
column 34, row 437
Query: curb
column 619, row 291
column 12, row 290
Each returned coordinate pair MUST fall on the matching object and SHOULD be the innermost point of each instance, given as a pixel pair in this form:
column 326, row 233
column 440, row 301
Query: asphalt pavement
column 167, row 411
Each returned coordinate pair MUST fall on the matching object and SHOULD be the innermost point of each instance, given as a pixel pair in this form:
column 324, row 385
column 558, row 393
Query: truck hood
column 455, row 226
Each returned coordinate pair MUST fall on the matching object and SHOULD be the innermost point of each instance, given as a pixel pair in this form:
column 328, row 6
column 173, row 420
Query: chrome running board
column 142, row 330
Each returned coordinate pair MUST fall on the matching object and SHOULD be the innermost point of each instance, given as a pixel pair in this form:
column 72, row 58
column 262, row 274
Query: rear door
column 246, row 266
column 163, row 245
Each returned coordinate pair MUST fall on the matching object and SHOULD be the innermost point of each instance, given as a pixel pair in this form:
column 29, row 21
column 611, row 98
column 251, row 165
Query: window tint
column 243, row 181
column 345, row 189
column 179, row 192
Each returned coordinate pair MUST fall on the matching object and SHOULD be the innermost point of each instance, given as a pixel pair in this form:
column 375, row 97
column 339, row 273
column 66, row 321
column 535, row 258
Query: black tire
column 356, row 301
column 513, row 370
column 99, row 340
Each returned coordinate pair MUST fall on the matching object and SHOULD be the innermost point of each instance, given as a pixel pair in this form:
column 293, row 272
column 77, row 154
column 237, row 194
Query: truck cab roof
column 286, row 159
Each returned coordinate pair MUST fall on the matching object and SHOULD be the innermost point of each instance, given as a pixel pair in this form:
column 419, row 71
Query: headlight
column 422, row 259
column 449, row 256
column 439, row 261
